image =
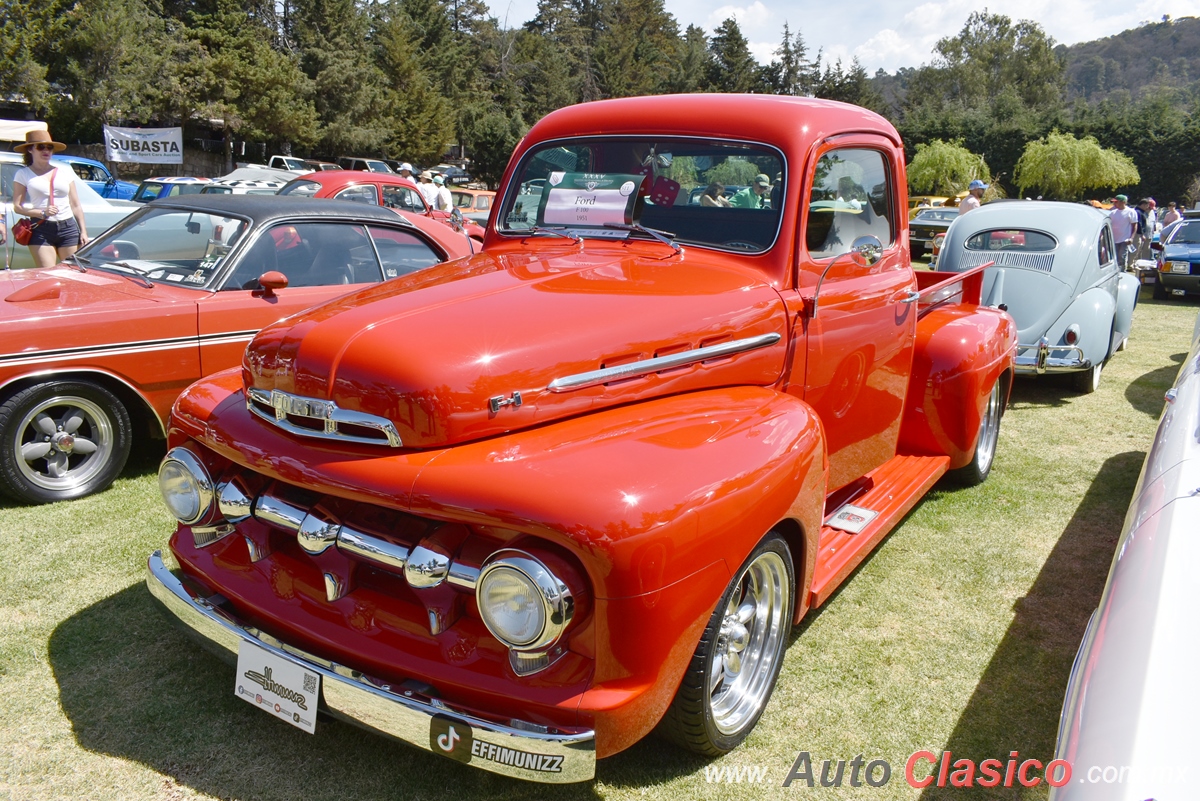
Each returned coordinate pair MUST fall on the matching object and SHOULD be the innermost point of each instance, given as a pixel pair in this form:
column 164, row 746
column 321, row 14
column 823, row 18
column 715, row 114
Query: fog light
column 522, row 603
column 185, row 485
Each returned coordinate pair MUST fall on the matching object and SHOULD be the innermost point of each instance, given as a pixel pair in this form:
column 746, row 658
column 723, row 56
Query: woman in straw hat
column 46, row 194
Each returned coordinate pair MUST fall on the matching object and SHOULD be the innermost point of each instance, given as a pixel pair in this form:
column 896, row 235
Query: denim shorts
column 56, row 233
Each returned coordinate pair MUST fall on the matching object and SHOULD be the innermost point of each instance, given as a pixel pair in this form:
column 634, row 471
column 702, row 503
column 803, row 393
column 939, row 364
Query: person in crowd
column 3, row 232
column 975, row 192
column 1172, row 214
column 755, row 196
column 46, row 194
column 406, row 170
column 443, row 200
column 714, row 196
column 427, row 187
column 1124, row 222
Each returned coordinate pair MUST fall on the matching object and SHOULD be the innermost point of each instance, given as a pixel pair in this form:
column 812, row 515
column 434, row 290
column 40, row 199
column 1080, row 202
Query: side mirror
column 864, row 251
column 271, row 281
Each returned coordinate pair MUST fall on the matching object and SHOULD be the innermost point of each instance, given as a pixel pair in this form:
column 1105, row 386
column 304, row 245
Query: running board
column 895, row 487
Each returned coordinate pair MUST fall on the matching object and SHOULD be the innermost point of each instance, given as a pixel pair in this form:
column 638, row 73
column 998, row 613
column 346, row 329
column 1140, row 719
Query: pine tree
column 634, row 52
column 732, row 68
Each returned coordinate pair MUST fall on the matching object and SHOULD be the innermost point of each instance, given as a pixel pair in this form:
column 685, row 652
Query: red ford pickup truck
column 522, row 508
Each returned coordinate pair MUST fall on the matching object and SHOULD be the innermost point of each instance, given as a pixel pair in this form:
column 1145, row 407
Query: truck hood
column 444, row 353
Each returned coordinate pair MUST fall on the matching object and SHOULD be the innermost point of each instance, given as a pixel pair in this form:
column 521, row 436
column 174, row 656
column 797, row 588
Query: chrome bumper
column 522, row 750
column 1041, row 361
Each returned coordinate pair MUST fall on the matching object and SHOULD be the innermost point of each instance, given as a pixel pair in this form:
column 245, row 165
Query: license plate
column 1180, row 266
column 284, row 688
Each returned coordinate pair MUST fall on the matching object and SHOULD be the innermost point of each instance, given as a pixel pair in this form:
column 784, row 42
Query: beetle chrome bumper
column 1040, row 361
column 522, row 750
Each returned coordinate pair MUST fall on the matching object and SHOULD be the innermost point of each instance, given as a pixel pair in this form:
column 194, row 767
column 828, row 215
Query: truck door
column 860, row 341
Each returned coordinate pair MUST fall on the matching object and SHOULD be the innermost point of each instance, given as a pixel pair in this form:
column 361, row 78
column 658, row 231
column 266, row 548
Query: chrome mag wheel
column 989, row 431
column 749, row 643
column 63, row 442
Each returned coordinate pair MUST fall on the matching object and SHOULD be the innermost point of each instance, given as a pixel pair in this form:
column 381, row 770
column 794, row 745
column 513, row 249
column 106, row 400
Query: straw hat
column 37, row 138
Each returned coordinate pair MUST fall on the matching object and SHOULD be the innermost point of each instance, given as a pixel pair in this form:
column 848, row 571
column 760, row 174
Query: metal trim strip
column 646, row 366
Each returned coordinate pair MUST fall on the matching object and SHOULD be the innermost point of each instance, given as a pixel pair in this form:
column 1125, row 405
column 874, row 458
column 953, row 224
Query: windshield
column 167, row 246
column 301, row 188
column 1186, row 233
column 714, row 193
column 938, row 215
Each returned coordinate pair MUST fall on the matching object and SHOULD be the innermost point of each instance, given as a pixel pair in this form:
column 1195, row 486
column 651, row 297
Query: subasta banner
column 144, row 145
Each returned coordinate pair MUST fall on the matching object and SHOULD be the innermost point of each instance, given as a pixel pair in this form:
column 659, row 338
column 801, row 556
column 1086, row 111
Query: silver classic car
column 1056, row 273
column 1128, row 723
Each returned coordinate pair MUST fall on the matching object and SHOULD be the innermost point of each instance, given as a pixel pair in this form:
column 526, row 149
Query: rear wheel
column 1088, row 381
column 1160, row 291
column 60, row 440
column 976, row 472
column 733, row 672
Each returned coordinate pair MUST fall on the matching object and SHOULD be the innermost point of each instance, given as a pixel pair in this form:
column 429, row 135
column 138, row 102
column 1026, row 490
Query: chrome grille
column 321, row 419
column 1008, row 258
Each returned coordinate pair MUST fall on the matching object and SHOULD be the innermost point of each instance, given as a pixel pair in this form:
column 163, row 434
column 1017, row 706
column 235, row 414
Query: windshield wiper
column 545, row 229
column 653, row 233
column 131, row 273
column 78, row 262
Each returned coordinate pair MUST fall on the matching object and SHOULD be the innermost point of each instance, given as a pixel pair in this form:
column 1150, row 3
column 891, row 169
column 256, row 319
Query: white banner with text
column 144, row 145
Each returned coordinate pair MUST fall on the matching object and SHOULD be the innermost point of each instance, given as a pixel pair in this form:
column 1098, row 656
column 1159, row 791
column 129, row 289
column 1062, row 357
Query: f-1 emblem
column 450, row 737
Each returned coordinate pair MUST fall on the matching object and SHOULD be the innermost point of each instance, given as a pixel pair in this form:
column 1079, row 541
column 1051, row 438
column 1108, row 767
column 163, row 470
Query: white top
column 969, row 203
column 1124, row 223
column 37, row 189
column 429, row 192
column 445, row 201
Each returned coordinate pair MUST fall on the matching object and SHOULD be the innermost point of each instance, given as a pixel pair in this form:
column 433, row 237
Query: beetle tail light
column 1072, row 334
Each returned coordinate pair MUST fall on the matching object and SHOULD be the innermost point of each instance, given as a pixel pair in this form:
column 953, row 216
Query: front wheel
column 733, row 672
column 61, row 440
column 976, row 472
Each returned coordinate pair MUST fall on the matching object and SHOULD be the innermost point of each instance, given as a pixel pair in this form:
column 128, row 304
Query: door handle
column 910, row 296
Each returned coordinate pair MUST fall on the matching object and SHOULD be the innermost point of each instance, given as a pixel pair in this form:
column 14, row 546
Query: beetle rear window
column 1012, row 239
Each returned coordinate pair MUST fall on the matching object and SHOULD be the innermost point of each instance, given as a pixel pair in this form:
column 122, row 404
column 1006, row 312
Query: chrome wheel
column 989, row 431
column 63, row 442
column 749, row 644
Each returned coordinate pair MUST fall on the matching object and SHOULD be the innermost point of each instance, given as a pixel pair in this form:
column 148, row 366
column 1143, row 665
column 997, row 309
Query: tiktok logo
column 447, row 741
column 451, row 737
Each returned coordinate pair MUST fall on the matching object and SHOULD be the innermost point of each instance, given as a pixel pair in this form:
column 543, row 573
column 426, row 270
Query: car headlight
column 185, row 485
column 522, row 603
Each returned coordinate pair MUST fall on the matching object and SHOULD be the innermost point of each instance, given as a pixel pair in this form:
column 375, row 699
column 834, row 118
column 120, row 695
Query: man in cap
column 974, row 194
column 406, row 170
column 1124, row 221
column 755, row 196
column 443, row 201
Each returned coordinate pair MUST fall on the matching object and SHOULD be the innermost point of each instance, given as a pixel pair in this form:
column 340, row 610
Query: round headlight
column 522, row 603
column 510, row 606
column 185, row 486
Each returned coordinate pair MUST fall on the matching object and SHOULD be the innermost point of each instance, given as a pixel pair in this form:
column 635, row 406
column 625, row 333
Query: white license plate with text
column 284, row 688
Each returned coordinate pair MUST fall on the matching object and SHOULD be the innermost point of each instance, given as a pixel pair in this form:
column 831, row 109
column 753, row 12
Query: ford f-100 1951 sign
column 522, row 508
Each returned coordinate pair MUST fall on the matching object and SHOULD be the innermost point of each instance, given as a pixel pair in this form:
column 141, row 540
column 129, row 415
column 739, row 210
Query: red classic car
column 96, row 349
column 377, row 189
column 524, row 508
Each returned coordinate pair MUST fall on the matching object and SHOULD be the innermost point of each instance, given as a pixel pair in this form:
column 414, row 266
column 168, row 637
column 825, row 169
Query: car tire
column 918, row 250
column 735, row 666
column 1088, row 381
column 1159, row 292
column 61, row 440
column 980, row 466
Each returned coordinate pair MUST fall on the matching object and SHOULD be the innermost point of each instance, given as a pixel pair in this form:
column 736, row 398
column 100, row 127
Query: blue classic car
column 1056, row 273
column 1178, row 260
column 97, row 176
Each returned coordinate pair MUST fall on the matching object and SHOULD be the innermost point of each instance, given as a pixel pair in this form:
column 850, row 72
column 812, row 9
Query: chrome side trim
column 646, row 366
column 329, row 413
column 522, row 750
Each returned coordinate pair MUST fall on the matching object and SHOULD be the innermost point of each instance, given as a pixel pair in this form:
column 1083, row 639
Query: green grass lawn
column 957, row 634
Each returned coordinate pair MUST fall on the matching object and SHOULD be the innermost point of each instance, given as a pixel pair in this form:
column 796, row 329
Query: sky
column 888, row 34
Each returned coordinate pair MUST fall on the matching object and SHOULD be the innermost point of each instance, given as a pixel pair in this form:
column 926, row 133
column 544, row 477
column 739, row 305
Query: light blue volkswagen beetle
column 1056, row 273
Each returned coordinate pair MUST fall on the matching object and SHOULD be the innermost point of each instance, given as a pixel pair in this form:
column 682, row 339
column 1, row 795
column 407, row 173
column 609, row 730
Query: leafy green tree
column 850, row 85
column 634, row 52
column 1065, row 167
column 492, row 140
column 944, row 168
column 731, row 67
column 689, row 73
